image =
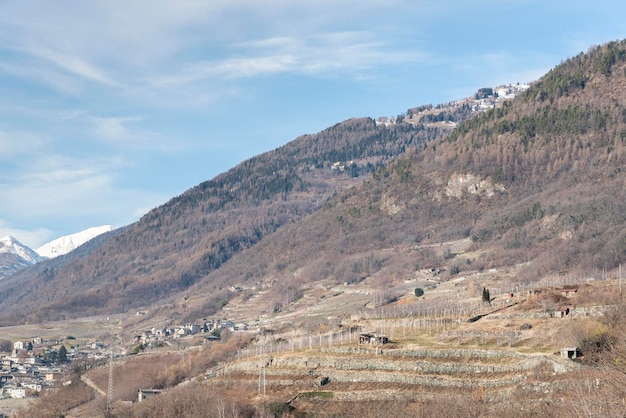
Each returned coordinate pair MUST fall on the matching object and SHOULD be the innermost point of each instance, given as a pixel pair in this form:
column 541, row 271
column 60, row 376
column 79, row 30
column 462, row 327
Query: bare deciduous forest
column 179, row 243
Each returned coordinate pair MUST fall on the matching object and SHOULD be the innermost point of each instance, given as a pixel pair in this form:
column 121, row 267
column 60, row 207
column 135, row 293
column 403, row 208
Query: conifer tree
column 486, row 296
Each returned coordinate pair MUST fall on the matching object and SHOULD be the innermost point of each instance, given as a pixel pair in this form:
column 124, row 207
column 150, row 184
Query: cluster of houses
column 34, row 365
column 28, row 368
column 210, row 330
column 485, row 99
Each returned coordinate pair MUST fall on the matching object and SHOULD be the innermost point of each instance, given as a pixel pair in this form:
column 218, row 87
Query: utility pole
column 260, row 372
column 262, row 381
column 110, row 391
column 619, row 275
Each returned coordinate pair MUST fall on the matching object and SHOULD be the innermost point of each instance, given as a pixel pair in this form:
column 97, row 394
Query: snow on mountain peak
column 65, row 244
column 9, row 245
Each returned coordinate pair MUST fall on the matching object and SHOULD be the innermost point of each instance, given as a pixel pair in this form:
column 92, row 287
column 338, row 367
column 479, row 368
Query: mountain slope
column 179, row 243
column 65, row 244
column 15, row 256
column 537, row 183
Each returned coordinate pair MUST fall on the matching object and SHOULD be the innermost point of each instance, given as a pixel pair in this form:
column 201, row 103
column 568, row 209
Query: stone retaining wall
column 405, row 367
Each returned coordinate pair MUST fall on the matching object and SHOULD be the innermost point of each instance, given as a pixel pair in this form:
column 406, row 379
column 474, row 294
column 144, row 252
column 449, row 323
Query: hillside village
column 38, row 364
column 382, row 341
column 485, row 99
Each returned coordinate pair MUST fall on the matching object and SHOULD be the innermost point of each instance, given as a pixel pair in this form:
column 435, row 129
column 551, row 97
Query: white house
column 193, row 328
column 36, row 386
column 15, row 392
column 97, row 345
column 181, row 332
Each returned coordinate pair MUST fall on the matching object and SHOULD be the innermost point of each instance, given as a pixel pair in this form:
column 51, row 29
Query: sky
column 109, row 108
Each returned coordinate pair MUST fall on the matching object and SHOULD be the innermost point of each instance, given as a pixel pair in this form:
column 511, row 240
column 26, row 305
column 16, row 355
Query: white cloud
column 51, row 77
column 59, row 189
column 123, row 45
column 18, row 143
column 113, row 127
column 72, row 64
column 124, row 135
column 313, row 55
column 70, row 115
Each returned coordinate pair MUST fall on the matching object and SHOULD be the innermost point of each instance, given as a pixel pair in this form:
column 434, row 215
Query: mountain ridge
column 223, row 216
column 525, row 184
column 15, row 256
column 205, row 240
column 67, row 243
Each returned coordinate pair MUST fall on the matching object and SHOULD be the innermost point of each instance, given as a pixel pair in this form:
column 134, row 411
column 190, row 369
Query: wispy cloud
column 68, row 188
column 319, row 54
column 53, row 190
column 146, row 51
column 15, row 144
column 73, row 64
column 115, row 128
column 38, row 74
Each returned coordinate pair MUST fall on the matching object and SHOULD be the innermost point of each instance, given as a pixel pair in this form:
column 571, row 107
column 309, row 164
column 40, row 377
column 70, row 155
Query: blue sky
column 110, row 108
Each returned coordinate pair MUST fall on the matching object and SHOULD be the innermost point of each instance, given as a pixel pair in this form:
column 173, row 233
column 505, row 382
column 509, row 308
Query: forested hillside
column 559, row 153
column 179, row 243
column 538, row 182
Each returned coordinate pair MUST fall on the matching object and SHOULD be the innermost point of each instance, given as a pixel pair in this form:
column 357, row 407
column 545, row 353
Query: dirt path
column 92, row 385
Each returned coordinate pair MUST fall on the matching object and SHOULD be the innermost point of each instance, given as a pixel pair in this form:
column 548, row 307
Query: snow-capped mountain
column 64, row 245
column 15, row 256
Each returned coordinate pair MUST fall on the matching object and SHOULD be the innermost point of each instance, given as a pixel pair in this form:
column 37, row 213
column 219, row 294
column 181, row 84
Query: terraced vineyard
column 496, row 359
column 354, row 374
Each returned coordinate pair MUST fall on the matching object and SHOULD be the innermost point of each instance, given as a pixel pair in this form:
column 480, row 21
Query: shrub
column 278, row 409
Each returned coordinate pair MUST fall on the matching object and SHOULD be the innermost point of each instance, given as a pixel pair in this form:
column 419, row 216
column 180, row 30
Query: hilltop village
column 485, row 99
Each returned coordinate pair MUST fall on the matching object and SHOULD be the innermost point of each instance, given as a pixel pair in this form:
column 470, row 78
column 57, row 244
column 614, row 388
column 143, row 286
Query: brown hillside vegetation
column 464, row 252
column 179, row 243
column 508, row 363
column 538, row 181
